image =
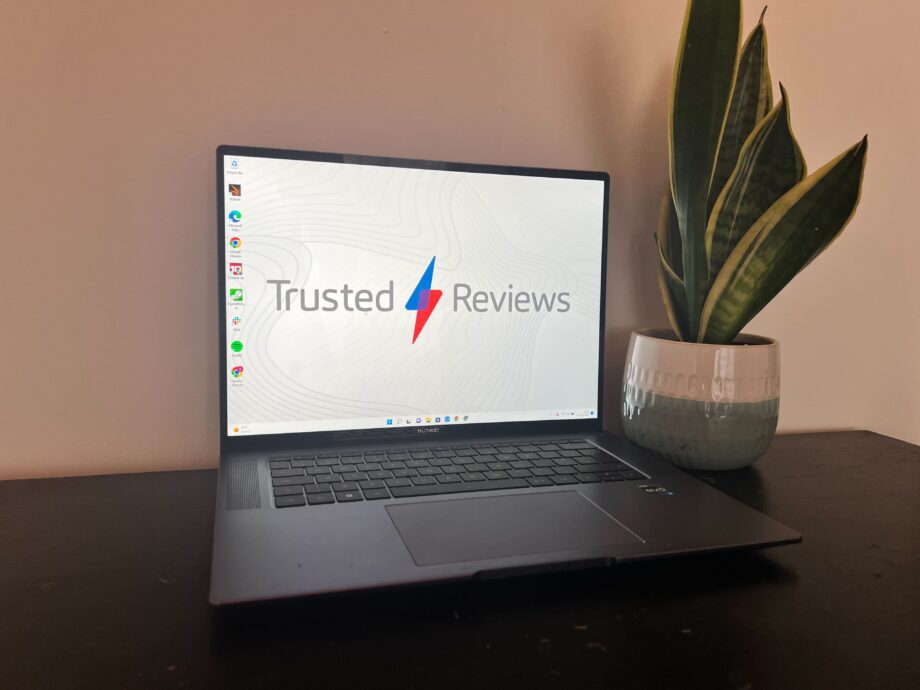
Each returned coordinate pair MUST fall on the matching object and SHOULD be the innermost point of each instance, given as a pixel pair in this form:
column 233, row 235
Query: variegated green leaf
column 673, row 294
column 785, row 239
column 703, row 78
column 751, row 100
column 669, row 236
column 770, row 164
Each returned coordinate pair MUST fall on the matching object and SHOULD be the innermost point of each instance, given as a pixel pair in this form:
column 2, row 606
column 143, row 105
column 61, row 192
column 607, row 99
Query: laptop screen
column 366, row 296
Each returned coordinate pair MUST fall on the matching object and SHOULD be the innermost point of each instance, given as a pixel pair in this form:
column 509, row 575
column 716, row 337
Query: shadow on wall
column 632, row 130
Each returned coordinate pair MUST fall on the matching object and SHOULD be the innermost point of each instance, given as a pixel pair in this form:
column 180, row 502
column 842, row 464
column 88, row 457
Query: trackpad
column 472, row 529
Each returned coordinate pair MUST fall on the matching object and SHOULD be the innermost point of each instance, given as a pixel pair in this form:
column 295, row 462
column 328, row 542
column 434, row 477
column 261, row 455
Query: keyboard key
column 398, row 482
column 565, row 462
column 371, row 484
column 317, row 489
column 348, row 496
column 428, row 471
column 323, row 461
column 289, row 501
column 564, row 479
column 279, row 464
column 319, row 499
column 341, row 469
column 398, row 456
column 375, row 457
column 569, row 453
column 444, row 454
column 548, row 454
column 417, row 463
column 288, row 490
column 473, row 477
column 393, row 465
column 441, row 462
column 542, row 472
column 505, row 449
column 376, row 494
column 539, row 481
column 368, row 467
column 565, row 470
column 428, row 490
column 508, row 457
column 303, row 462
column 487, row 450
column 449, row 478
column 421, row 455
column 405, row 473
column 519, row 473
column 291, row 481
column 423, row 481
column 527, row 456
column 351, row 459
column 492, row 474
column 379, row 474
column 521, row 464
column 344, row 486
column 587, row 478
column 326, row 456
column 318, row 470
column 528, row 449
column 542, row 462
column 476, row 467
column 499, row 466
column 354, row 476
column 575, row 446
column 294, row 472
column 279, row 458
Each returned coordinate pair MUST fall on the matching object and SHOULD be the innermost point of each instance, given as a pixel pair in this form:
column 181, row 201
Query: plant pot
column 699, row 406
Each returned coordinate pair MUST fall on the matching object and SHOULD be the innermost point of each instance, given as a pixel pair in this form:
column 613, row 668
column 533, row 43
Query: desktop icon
column 236, row 346
column 236, row 371
column 236, row 294
column 235, row 189
column 236, row 269
column 437, row 420
column 235, row 243
column 234, row 163
column 418, row 420
column 390, row 422
column 465, row 417
column 236, row 321
column 447, row 418
column 235, row 216
column 399, row 421
column 427, row 420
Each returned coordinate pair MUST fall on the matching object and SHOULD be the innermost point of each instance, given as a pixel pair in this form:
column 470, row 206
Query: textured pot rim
column 666, row 335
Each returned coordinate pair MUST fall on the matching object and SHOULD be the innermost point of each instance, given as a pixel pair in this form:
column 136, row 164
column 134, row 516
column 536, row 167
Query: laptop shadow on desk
column 423, row 612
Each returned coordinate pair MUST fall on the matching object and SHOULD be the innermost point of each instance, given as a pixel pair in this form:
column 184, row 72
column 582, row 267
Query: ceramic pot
column 702, row 407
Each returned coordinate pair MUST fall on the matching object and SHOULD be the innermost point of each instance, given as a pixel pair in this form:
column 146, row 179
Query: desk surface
column 103, row 584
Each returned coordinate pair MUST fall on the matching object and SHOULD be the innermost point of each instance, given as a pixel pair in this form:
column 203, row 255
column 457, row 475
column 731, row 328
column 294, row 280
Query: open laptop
column 411, row 382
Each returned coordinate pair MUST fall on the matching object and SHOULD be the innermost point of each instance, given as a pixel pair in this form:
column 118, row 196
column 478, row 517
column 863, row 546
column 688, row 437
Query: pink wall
column 111, row 112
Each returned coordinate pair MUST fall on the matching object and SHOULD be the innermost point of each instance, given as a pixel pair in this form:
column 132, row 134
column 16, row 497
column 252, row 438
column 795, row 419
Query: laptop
column 411, row 383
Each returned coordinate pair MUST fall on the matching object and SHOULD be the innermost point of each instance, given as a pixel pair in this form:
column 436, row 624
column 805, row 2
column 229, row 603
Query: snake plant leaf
column 703, row 77
column 785, row 239
column 770, row 164
column 751, row 100
column 673, row 293
column 668, row 236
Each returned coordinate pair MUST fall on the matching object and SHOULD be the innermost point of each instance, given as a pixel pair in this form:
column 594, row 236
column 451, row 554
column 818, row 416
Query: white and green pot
column 700, row 406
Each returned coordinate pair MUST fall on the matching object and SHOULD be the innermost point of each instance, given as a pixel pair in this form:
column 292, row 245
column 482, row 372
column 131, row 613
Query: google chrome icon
column 235, row 216
column 237, row 371
column 235, row 243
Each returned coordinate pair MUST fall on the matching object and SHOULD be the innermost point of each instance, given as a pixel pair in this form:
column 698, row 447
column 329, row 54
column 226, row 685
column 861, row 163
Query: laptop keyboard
column 329, row 478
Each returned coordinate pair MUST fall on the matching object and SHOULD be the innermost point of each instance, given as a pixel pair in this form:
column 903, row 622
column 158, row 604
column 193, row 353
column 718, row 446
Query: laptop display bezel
column 267, row 442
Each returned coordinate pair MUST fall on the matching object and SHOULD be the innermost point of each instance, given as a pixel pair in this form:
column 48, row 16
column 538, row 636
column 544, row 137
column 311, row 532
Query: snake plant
column 741, row 218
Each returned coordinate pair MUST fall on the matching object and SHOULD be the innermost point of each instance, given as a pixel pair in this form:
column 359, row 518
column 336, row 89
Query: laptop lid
column 365, row 298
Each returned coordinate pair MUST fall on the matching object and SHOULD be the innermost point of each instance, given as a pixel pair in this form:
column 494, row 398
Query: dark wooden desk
column 103, row 584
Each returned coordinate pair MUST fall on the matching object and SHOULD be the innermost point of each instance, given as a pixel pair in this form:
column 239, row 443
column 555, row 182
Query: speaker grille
column 243, row 484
